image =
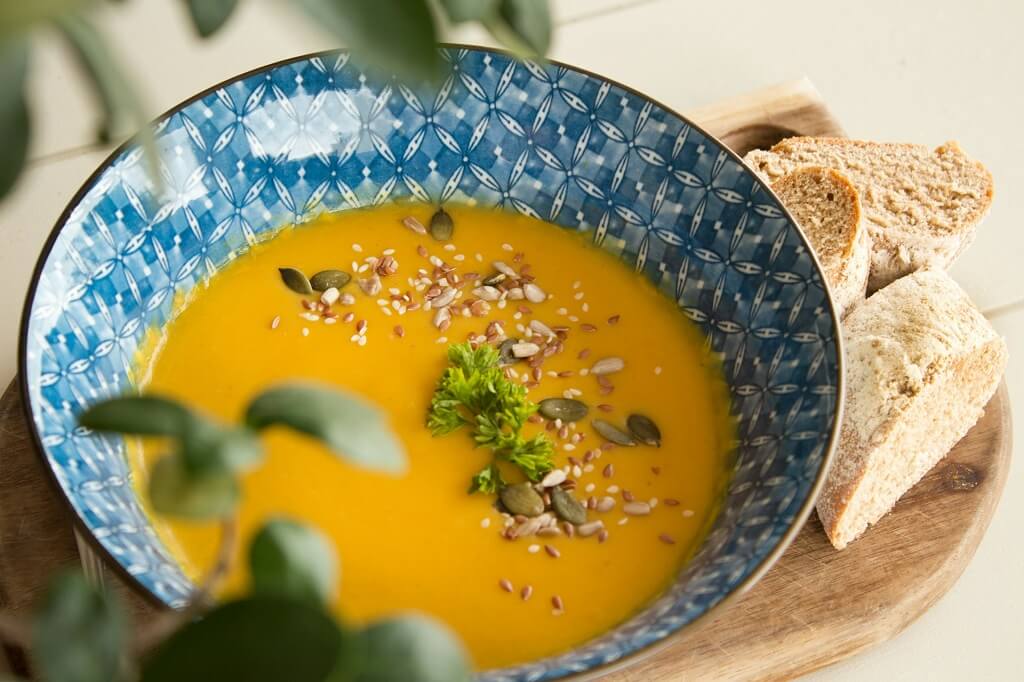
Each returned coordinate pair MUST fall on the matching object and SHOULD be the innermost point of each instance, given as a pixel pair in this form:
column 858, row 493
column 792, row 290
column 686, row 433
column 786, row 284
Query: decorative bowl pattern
column 314, row 134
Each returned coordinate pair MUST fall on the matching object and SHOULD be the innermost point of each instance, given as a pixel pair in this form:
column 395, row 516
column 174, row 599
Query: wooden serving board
column 816, row 606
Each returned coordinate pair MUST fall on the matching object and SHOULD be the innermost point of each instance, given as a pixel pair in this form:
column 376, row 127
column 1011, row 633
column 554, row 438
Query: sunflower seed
column 590, row 528
column 414, row 225
column 295, row 280
column 371, row 285
column 607, row 366
column 525, row 350
column 487, row 293
column 495, row 279
column 636, row 508
column 553, row 478
column 612, row 433
column 443, row 299
column 533, row 293
column 504, row 269
column 644, row 430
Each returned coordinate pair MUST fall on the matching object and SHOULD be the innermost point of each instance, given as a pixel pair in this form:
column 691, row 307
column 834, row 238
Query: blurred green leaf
column 14, row 116
column 258, row 639
column 207, row 445
column 391, row 35
column 459, row 11
column 17, row 16
column 410, row 648
column 209, row 15
column 79, row 632
column 524, row 26
column 294, row 561
column 137, row 414
column 121, row 104
column 347, row 425
column 175, row 489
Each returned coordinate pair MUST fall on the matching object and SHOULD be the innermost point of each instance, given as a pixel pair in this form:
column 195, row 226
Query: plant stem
column 159, row 629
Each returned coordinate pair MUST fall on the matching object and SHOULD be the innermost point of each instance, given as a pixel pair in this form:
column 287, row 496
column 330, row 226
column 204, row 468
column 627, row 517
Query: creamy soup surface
column 419, row 541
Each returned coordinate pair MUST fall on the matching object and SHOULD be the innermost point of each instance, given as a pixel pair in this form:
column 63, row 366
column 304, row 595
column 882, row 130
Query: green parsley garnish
column 474, row 392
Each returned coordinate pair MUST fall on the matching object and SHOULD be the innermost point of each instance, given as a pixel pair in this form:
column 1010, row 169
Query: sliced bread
column 921, row 206
column 827, row 208
column 921, row 364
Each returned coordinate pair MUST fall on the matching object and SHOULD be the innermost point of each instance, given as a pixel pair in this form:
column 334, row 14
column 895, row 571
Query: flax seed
column 614, row 319
column 627, row 496
column 399, row 331
column 557, row 602
column 602, row 535
column 588, row 327
column 506, row 584
column 671, row 502
column 608, row 471
column 655, row 470
column 605, row 407
column 667, row 539
column 526, row 592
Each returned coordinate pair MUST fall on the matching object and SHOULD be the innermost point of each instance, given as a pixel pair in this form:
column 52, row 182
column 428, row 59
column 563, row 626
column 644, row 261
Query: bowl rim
column 701, row 621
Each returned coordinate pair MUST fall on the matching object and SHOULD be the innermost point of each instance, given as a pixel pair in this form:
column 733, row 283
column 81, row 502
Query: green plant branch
column 159, row 629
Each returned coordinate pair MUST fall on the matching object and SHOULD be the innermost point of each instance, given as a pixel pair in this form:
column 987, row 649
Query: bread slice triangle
column 921, row 206
column 921, row 364
column 826, row 206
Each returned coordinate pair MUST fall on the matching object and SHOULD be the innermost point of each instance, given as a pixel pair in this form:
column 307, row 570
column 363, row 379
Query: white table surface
column 891, row 70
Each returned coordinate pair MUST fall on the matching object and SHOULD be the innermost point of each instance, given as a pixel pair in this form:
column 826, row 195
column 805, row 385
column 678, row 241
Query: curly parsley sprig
column 474, row 392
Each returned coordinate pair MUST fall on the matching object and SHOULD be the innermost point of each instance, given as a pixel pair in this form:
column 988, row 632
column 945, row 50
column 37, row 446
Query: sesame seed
column 568, row 447
column 485, row 522
column 589, row 487
column 449, row 247
column 507, row 247
column 357, row 248
column 275, row 322
column 612, row 489
column 578, row 295
column 442, row 339
column 657, row 370
column 577, row 284
column 388, row 252
column 687, row 513
column 562, row 311
column 305, row 331
column 459, row 257
column 479, row 257
column 585, row 307
column 624, row 520
column 362, row 340
column 533, row 549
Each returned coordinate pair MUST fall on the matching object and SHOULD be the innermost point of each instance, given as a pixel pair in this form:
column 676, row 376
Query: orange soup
column 585, row 329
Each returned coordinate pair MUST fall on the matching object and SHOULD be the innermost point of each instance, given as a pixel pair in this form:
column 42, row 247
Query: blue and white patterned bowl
column 314, row 134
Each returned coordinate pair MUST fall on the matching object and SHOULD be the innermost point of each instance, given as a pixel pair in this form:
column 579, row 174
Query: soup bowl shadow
column 287, row 142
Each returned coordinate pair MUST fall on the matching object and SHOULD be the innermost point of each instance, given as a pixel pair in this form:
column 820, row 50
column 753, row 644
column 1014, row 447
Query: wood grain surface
column 816, row 606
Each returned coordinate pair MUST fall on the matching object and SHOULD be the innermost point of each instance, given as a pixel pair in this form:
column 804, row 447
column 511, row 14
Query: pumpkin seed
column 566, row 409
column 613, row 433
column 326, row 279
column 441, row 226
column 295, row 280
column 505, row 354
column 644, row 430
column 568, row 507
column 521, row 498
